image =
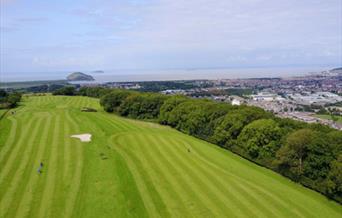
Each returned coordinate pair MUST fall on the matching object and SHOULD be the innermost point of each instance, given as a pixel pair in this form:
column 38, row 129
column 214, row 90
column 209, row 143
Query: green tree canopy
column 260, row 139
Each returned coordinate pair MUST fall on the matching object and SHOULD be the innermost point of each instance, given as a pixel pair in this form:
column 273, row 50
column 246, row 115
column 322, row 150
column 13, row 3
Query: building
column 236, row 100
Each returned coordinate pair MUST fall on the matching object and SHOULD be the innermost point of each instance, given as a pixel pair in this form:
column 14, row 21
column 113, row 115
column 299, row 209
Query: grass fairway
column 131, row 169
column 328, row 117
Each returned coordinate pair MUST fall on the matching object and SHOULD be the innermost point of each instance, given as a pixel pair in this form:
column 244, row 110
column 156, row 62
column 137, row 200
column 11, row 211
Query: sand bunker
column 83, row 137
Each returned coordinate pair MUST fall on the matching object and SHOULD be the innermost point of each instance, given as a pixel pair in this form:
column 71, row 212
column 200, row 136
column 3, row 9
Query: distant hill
column 78, row 76
column 336, row 71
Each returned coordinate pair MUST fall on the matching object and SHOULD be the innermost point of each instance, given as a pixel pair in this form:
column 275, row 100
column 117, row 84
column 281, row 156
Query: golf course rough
column 131, row 169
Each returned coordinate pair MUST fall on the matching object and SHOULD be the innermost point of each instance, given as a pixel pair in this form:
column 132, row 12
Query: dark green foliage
column 9, row 100
column 67, row 90
column 95, row 92
column 198, row 118
column 43, row 88
column 168, row 106
column 178, row 115
column 333, row 183
column 232, row 91
column 3, row 94
column 157, row 86
column 230, row 126
column 142, row 106
column 290, row 156
column 112, row 100
column 260, row 139
column 13, row 99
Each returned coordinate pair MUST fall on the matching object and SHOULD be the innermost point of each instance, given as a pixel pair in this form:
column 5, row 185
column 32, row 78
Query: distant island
column 97, row 71
column 78, row 76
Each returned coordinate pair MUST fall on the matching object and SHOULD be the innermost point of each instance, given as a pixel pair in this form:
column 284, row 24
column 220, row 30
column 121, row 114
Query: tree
column 142, row 106
column 3, row 96
column 170, row 104
column 260, row 139
column 13, row 99
column 334, row 181
column 229, row 127
column 114, row 99
column 179, row 114
column 95, row 92
column 3, row 93
column 295, row 150
column 334, row 140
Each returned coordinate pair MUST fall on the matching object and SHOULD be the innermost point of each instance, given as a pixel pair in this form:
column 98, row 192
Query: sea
column 103, row 76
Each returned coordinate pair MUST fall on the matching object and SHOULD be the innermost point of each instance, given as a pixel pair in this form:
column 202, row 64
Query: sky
column 63, row 35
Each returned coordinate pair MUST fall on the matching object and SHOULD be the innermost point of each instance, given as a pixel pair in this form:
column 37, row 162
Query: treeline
column 310, row 154
column 157, row 86
column 9, row 100
column 95, row 92
column 231, row 91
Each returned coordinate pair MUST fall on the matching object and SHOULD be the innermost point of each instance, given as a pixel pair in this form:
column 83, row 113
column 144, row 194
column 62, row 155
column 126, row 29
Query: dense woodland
column 310, row 154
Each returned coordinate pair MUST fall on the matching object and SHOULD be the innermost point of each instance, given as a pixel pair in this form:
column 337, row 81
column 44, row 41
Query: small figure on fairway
column 189, row 150
column 40, row 168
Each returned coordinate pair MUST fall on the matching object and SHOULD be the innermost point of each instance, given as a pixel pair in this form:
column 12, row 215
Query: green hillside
column 131, row 169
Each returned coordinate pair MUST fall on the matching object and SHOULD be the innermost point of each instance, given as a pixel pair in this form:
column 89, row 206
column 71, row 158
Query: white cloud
column 173, row 33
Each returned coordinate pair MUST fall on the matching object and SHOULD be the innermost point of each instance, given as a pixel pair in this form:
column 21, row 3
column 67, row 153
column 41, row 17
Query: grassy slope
column 328, row 117
column 2, row 111
column 132, row 169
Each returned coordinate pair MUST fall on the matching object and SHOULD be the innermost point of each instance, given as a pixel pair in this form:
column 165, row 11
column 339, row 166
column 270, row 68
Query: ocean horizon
column 133, row 75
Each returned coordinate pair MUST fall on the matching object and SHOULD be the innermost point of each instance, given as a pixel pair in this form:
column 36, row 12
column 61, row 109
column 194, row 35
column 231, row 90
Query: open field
column 131, row 169
column 328, row 117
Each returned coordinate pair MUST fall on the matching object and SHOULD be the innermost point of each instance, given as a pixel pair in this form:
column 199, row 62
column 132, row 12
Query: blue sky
column 41, row 35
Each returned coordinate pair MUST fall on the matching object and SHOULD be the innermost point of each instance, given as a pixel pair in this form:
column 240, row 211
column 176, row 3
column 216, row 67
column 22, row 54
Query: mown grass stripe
column 185, row 190
column 151, row 198
column 51, row 171
column 58, row 200
column 242, row 200
column 12, row 143
column 120, row 123
column 10, row 138
column 167, row 191
column 76, row 179
column 217, row 206
column 41, row 184
column 9, row 164
column 68, row 154
column 27, row 196
column 18, row 175
column 274, row 198
column 115, row 126
column 210, row 190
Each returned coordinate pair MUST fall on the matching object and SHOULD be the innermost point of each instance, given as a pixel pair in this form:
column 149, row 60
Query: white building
column 236, row 100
